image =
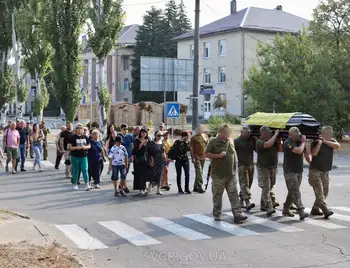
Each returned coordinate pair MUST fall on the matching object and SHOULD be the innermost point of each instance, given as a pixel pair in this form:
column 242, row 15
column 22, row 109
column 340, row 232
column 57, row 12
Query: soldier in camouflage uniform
column 293, row 165
column 222, row 153
column 322, row 161
column 30, row 150
column 198, row 144
column 267, row 148
column 45, row 131
column 245, row 146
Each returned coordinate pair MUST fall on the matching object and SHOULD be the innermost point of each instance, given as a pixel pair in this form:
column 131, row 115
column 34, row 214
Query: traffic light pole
column 195, row 68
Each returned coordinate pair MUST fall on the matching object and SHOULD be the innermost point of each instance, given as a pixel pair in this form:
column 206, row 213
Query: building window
column 222, row 75
column 126, row 63
column 191, row 51
column 222, row 47
column 126, row 84
column 207, row 76
column 207, row 50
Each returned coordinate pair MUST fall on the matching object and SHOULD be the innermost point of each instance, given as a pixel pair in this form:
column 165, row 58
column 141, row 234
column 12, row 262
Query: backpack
column 174, row 151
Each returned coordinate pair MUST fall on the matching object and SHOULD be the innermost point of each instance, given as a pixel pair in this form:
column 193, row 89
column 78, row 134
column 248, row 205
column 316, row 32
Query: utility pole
column 195, row 67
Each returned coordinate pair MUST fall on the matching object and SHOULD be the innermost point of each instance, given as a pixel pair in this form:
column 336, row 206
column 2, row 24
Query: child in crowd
column 119, row 157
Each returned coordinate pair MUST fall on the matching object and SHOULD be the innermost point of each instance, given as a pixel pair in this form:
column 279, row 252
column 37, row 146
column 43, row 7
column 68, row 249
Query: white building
column 227, row 50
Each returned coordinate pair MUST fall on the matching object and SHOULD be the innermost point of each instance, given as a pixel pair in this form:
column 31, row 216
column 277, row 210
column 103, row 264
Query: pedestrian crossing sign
column 172, row 110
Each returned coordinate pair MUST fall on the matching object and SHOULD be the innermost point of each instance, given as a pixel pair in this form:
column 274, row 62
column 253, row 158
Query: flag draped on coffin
column 284, row 121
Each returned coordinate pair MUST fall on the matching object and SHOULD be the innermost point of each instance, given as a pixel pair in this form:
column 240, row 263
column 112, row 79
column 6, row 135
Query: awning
column 272, row 120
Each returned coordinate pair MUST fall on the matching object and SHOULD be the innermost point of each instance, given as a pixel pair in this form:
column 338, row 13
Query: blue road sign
column 172, row 110
column 207, row 92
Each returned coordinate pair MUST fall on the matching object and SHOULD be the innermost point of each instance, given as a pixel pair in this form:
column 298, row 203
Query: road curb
column 14, row 213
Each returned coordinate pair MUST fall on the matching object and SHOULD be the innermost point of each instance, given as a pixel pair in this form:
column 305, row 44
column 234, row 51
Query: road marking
column 314, row 222
column 129, row 233
column 342, row 209
column 81, row 238
column 47, row 163
column 337, row 216
column 176, row 229
column 271, row 224
column 221, row 225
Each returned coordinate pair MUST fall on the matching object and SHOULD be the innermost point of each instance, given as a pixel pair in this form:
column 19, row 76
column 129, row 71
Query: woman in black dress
column 157, row 152
column 142, row 163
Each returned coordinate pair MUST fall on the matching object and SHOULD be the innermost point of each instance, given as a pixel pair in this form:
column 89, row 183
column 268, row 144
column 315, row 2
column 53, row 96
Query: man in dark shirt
column 65, row 137
column 23, row 143
column 245, row 146
column 267, row 148
column 293, row 164
column 322, row 161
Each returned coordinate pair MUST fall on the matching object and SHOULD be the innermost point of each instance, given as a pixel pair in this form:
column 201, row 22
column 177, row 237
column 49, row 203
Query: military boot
column 270, row 211
column 238, row 218
column 242, row 203
column 327, row 212
column 303, row 215
column 316, row 212
column 249, row 205
column 274, row 203
column 287, row 213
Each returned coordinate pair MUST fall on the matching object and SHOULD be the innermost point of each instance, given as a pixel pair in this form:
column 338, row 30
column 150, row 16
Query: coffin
column 307, row 125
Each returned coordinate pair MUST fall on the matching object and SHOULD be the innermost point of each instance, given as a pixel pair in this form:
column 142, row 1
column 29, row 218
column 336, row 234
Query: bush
column 131, row 129
column 233, row 120
column 216, row 121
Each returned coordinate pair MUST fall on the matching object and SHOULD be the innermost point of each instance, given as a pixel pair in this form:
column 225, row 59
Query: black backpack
column 174, row 151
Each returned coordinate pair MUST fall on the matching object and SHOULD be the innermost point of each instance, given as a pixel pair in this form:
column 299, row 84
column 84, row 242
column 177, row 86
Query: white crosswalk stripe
column 209, row 228
column 81, row 238
column 176, row 229
column 129, row 233
column 28, row 164
column 221, row 225
column 271, row 224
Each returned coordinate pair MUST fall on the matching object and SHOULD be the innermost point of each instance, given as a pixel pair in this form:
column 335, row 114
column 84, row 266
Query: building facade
column 228, row 49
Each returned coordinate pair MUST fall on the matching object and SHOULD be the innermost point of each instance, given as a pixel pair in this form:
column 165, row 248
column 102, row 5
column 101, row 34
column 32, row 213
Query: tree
column 36, row 50
column 293, row 75
column 220, row 101
column 330, row 29
column 107, row 19
column 64, row 21
column 183, row 23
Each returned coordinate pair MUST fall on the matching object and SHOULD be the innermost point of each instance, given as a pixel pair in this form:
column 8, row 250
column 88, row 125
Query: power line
column 210, row 8
column 145, row 3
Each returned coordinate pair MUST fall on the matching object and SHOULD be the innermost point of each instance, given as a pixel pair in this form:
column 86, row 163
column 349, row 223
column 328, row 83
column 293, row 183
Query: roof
column 128, row 35
column 253, row 18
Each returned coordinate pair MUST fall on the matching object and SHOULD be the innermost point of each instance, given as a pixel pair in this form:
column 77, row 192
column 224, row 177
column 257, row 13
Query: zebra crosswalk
column 193, row 227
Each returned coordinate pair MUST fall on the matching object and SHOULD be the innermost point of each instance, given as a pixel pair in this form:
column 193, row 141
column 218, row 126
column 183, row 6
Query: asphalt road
column 178, row 231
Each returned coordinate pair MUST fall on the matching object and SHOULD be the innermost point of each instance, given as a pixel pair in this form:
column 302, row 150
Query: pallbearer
column 322, row 161
column 267, row 148
column 245, row 146
column 293, row 164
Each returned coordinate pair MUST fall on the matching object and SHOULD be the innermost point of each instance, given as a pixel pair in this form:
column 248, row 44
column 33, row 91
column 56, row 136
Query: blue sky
column 212, row 10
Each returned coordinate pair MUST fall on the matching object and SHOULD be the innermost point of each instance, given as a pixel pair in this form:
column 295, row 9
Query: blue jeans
column 23, row 150
column 119, row 169
column 37, row 151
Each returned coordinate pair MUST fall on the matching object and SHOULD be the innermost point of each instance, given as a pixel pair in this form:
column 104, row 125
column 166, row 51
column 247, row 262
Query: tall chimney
column 233, row 7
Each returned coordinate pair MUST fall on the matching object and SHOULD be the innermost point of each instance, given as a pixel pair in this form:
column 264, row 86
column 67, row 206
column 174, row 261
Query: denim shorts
column 116, row 170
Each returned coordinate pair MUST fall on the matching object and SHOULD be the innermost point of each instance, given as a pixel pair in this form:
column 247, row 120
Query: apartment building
column 228, row 48
column 117, row 69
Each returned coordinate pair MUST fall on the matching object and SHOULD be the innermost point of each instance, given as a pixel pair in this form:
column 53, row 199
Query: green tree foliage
column 64, row 22
column 36, row 50
column 41, row 101
column 294, row 75
column 107, row 22
column 7, row 86
column 154, row 39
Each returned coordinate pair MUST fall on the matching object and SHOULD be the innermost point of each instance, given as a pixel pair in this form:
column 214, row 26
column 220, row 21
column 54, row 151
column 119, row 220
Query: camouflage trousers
column 267, row 181
column 293, row 181
column 45, row 151
column 319, row 181
column 198, row 166
column 219, row 184
column 245, row 175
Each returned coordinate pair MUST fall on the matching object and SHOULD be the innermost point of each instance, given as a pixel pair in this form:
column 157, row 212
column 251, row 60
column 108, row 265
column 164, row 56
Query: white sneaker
column 149, row 187
column 87, row 187
column 75, row 187
column 97, row 186
column 34, row 167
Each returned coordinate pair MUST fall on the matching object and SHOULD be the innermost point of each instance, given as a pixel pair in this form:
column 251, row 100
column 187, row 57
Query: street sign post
column 172, row 110
column 207, row 92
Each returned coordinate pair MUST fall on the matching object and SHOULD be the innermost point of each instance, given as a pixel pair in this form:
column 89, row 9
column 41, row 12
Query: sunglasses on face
column 159, row 135
column 79, row 128
column 124, row 129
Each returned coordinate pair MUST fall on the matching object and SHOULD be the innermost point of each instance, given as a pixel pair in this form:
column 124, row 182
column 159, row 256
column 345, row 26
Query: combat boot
column 287, row 213
column 274, row 203
column 249, row 205
column 303, row 215
column 327, row 212
column 270, row 211
column 242, row 203
column 238, row 218
column 316, row 212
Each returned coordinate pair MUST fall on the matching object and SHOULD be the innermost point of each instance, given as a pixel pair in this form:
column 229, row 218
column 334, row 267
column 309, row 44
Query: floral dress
column 157, row 152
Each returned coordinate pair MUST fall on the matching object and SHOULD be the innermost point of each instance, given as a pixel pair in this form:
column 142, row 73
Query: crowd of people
column 85, row 152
